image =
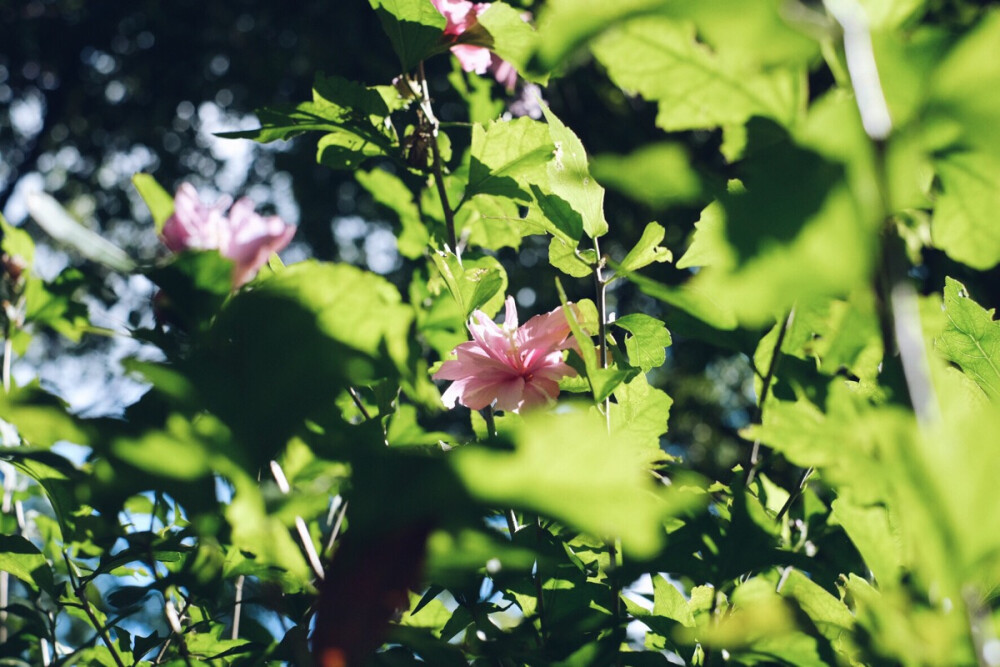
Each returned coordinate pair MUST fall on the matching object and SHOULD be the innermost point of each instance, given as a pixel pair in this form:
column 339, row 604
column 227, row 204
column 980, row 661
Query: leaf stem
column 432, row 121
column 765, row 391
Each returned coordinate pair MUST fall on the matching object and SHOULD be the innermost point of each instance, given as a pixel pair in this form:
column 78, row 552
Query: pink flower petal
column 243, row 236
column 512, row 368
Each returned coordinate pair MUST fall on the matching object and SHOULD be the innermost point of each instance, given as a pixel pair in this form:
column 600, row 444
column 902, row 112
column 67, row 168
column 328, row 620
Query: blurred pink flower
column 461, row 16
column 243, row 236
column 518, row 367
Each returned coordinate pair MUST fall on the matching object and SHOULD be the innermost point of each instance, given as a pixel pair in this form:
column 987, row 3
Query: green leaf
column 277, row 124
column 159, row 201
column 344, row 149
column 570, row 179
column 760, row 33
column 669, row 603
column 343, row 98
column 691, row 298
column 659, row 175
column 646, row 251
column 769, row 245
column 16, row 242
column 506, row 155
column 563, row 256
column 640, row 414
column 595, row 485
column 182, row 449
column 971, row 338
column 414, row 27
column 476, row 284
column 389, row 191
column 195, row 284
column 513, row 39
column 873, row 536
column 350, row 328
column 23, row 559
column 493, row 222
column 965, row 91
column 831, row 616
column 646, row 345
column 964, row 223
column 696, row 89
column 54, row 219
column 41, row 418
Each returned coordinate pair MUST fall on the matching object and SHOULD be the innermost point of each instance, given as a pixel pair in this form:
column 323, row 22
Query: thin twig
column 538, row 582
column 357, row 402
column 796, row 492
column 300, row 525
column 601, row 289
column 336, row 529
column 89, row 611
column 431, row 119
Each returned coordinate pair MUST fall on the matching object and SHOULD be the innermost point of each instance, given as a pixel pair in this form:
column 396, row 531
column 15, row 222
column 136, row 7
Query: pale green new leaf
column 870, row 531
column 670, row 603
column 476, row 284
column 761, row 33
column 971, row 338
column 563, row 256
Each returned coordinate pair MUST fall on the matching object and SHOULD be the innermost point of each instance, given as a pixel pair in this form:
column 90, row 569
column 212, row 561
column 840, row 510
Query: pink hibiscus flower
column 461, row 15
column 518, row 367
column 243, row 236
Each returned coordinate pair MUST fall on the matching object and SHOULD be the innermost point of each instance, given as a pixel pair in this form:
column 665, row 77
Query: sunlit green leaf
column 23, row 559
column 414, row 27
column 971, row 338
column 661, row 60
column 964, row 222
column 570, row 179
column 646, row 251
column 506, row 155
column 599, row 488
column 646, row 344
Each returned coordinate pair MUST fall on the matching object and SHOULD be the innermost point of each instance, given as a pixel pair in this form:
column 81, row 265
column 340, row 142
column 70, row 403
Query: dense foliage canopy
column 610, row 333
